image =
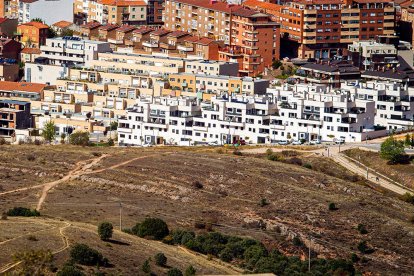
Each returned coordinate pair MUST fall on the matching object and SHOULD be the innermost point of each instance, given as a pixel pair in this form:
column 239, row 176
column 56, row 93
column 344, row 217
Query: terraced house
column 299, row 112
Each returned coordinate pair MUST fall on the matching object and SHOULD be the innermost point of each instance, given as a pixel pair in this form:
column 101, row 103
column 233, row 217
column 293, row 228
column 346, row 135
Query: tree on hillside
column 190, row 271
column 392, row 150
column 49, row 131
column 151, row 227
column 174, row 272
column 160, row 259
column 105, row 230
column 79, row 138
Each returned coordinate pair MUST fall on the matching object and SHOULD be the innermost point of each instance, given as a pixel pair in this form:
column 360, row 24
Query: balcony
column 150, row 44
column 185, row 48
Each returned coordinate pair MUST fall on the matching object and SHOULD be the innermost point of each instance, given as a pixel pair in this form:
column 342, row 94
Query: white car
column 297, row 142
column 315, row 142
column 340, row 141
column 146, row 145
column 213, row 143
column 283, row 142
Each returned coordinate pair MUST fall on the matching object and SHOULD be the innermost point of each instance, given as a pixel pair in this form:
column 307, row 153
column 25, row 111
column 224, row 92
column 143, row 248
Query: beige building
column 125, row 12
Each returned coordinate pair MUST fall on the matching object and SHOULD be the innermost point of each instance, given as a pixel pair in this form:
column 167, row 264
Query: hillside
column 161, row 182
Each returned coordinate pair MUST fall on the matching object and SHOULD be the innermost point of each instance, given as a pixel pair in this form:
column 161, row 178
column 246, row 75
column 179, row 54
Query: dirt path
column 80, row 169
column 65, row 246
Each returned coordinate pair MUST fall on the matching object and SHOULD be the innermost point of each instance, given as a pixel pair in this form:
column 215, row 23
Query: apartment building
column 323, row 29
column 58, row 10
column 14, row 115
column 205, row 87
column 331, row 73
column 8, row 27
column 154, row 12
column 85, row 11
column 299, row 112
column 251, row 38
column 9, row 9
column 32, row 34
column 372, row 55
column 131, row 12
column 394, row 102
column 59, row 54
column 70, row 50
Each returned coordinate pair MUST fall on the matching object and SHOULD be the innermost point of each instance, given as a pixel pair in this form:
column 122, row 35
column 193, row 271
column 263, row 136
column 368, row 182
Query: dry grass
column 402, row 173
column 161, row 185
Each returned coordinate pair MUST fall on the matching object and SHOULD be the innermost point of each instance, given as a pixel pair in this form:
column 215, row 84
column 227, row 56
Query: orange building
column 253, row 42
column 323, row 28
column 33, row 34
column 250, row 37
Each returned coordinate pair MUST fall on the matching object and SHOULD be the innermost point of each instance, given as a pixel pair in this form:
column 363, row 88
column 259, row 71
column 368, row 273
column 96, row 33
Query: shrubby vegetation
column 23, row 212
column 252, row 255
column 393, row 151
column 151, row 227
column 84, row 255
column 79, row 138
column 105, row 230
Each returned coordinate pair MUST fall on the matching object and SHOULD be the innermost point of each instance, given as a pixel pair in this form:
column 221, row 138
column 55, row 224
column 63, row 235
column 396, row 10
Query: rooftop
column 62, row 24
column 35, row 24
column 22, row 86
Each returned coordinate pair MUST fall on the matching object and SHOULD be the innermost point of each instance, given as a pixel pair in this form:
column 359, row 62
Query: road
column 334, row 152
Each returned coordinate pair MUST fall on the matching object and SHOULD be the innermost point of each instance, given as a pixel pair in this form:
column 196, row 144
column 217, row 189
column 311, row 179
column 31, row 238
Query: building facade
column 322, row 29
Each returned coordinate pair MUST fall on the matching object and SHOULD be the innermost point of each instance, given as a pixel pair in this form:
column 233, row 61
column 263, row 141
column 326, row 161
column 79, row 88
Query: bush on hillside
column 84, row 255
column 22, row 212
column 151, row 227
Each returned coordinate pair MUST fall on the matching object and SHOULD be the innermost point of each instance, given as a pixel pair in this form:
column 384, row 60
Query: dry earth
column 159, row 182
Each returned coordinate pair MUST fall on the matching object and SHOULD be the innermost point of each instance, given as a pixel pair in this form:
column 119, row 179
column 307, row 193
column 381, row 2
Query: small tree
column 332, row 207
column 392, row 150
column 84, row 255
column 407, row 141
column 79, row 138
column 160, row 259
column 190, row 271
column 49, row 131
column 105, row 230
column 174, row 272
column 151, row 227
column 146, row 267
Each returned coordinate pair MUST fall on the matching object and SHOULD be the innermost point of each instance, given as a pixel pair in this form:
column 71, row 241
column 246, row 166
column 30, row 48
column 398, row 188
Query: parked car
column 315, row 142
column 340, row 141
column 215, row 143
column 147, row 145
column 297, row 142
column 283, row 142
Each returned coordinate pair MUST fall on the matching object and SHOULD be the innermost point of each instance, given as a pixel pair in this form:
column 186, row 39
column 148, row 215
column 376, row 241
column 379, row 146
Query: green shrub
column 407, row 197
column 22, row 212
column 146, row 267
column 263, row 202
column 151, row 227
column 105, row 230
column 361, row 228
column 364, row 248
column 237, row 152
column 84, row 255
column 79, row 138
column 307, row 165
column 70, row 270
column 273, row 157
column 111, row 142
column 190, row 271
column 354, row 258
column 160, row 259
column 332, row 207
column 174, row 272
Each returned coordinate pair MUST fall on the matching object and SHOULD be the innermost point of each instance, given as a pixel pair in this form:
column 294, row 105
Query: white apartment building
column 50, row 11
column 72, row 50
column 61, row 53
column 394, row 102
column 288, row 113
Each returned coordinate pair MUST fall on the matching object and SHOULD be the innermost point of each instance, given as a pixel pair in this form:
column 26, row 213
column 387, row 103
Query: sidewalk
column 372, row 175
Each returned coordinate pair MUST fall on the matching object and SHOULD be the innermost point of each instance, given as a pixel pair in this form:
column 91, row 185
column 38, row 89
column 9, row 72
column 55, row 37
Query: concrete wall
column 39, row 73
